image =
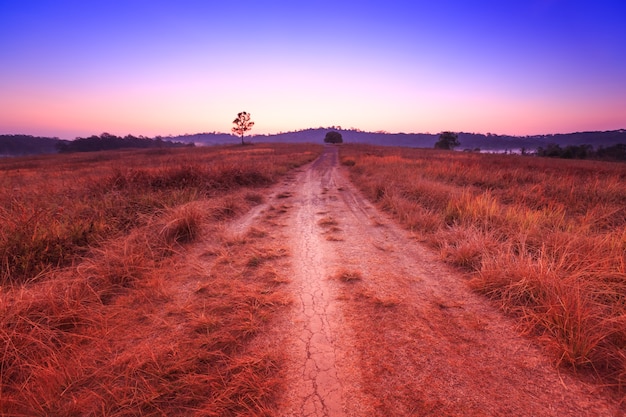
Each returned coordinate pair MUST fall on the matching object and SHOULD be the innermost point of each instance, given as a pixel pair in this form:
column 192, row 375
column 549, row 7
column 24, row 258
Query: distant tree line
column 613, row 153
column 27, row 145
column 106, row 142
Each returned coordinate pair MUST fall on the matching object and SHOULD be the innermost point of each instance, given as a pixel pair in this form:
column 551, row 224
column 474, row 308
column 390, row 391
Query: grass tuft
column 327, row 221
column 182, row 225
column 348, row 276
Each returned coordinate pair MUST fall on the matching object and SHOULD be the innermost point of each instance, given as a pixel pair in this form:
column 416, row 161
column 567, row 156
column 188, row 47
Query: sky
column 520, row 67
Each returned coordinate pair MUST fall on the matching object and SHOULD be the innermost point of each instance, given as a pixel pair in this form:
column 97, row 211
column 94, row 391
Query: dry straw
column 545, row 238
column 120, row 294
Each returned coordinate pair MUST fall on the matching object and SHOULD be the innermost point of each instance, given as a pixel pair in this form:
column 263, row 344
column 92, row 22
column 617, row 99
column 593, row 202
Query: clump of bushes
column 613, row 153
column 333, row 137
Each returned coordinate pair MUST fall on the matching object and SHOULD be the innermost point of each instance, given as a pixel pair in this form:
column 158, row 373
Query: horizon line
column 338, row 128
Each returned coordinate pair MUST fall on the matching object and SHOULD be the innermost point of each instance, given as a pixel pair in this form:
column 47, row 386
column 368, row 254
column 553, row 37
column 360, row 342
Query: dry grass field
column 544, row 238
column 222, row 281
column 120, row 292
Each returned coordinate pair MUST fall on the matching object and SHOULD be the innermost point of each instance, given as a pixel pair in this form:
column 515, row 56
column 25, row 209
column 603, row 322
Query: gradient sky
column 77, row 68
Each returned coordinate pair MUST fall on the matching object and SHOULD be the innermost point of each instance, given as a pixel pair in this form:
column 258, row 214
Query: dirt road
column 381, row 327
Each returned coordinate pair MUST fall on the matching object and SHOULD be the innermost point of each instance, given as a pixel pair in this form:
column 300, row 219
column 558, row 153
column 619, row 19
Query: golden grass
column 52, row 209
column 120, row 294
column 345, row 275
column 546, row 238
column 328, row 221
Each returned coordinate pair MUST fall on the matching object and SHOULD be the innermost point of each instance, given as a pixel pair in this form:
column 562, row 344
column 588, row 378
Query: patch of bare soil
column 382, row 327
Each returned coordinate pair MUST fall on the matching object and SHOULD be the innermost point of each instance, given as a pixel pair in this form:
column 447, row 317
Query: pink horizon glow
column 171, row 70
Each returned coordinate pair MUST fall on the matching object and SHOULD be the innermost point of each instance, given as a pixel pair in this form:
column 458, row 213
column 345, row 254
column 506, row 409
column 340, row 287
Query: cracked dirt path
column 321, row 378
column 380, row 327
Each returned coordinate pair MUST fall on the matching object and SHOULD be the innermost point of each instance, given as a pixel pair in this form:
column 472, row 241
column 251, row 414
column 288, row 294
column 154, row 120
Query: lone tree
column 242, row 124
column 333, row 137
column 447, row 140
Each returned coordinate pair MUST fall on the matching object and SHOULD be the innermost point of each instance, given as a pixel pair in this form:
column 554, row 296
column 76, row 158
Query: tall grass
column 120, row 293
column 52, row 209
column 545, row 238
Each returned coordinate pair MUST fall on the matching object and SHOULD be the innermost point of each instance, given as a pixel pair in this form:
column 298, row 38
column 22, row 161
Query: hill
column 415, row 140
column 485, row 142
column 18, row 145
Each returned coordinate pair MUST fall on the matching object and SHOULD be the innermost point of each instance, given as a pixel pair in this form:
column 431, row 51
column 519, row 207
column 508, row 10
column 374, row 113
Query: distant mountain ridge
column 487, row 142
column 18, row 145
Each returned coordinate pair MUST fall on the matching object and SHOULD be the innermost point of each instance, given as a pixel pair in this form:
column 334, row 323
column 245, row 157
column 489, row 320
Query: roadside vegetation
column 122, row 294
column 544, row 238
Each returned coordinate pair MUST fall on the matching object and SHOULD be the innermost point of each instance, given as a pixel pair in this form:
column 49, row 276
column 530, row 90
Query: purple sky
column 77, row 68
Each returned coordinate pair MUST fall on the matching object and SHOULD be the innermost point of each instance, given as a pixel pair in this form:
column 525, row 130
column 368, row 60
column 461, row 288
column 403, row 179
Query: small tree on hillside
column 447, row 140
column 333, row 137
column 242, row 124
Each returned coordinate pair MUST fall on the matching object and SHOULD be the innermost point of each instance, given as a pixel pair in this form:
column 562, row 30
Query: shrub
column 447, row 140
column 333, row 137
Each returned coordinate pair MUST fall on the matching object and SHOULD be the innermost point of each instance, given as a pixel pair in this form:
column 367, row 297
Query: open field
column 106, row 305
column 545, row 238
column 53, row 208
column 259, row 281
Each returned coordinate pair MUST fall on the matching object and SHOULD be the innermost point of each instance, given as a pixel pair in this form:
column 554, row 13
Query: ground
column 380, row 326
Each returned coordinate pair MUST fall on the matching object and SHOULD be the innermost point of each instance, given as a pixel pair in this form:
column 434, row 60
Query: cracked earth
column 381, row 327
